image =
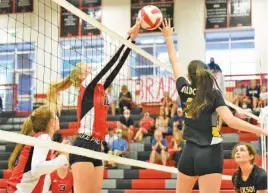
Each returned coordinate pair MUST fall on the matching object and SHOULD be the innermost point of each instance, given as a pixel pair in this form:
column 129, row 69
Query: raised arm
column 167, row 31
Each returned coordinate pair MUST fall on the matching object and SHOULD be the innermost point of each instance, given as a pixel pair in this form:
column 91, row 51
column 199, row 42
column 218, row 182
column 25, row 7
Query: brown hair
column 36, row 122
column 203, row 80
column 71, row 79
column 238, row 174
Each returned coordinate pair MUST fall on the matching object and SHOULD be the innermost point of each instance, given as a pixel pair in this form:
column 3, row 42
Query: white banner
column 153, row 88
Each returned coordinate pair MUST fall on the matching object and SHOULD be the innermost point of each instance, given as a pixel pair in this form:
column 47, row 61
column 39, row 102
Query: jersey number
column 62, row 187
column 188, row 116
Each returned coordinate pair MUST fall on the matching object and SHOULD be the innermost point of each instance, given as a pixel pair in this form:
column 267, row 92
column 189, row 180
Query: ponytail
column 54, row 89
column 27, row 129
column 236, row 179
column 204, row 93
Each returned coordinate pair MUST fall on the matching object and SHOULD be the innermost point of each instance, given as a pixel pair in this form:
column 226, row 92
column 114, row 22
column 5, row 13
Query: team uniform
column 33, row 164
column 203, row 151
column 55, row 184
column 257, row 180
column 94, row 101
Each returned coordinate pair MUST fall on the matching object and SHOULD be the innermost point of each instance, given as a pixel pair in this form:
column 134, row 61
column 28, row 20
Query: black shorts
column 197, row 160
column 87, row 142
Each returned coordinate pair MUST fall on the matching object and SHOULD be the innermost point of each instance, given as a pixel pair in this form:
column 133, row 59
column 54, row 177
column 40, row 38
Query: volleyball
column 152, row 17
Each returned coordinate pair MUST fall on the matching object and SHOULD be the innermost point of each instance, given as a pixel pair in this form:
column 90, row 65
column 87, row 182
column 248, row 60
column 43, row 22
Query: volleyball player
column 34, row 162
column 60, row 180
column 249, row 177
column 202, row 157
column 92, row 100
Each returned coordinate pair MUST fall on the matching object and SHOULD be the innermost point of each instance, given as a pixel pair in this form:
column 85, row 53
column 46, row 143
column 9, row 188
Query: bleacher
column 125, row 178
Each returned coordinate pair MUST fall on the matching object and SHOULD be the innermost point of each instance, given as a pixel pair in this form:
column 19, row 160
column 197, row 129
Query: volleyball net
column 42, row 44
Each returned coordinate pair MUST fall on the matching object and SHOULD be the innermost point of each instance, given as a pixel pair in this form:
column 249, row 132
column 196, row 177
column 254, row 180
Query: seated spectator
column 111, row 99
column 159, row 148
column 263, row 102
column 146, row 124
column 125, row 99
column 119, row 146
column 253, row 94
column 177, row 146
column 127, row 125
column 178, row 120
column 110, row 137
column 162, row 121
column 169, row 105
column 239, row 94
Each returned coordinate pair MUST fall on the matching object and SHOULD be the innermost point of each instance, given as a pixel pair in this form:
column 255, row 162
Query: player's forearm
column 241, row 125
column 173, row 57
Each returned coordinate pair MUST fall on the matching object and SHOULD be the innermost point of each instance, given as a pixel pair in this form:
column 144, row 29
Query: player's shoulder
column 259, row 172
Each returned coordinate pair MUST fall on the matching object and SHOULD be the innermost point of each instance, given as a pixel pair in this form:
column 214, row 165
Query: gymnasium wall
column 188, row 22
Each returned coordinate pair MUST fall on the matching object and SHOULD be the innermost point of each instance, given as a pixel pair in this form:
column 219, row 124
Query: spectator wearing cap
column 119, row 146
column 178, row 120
column 110, row 137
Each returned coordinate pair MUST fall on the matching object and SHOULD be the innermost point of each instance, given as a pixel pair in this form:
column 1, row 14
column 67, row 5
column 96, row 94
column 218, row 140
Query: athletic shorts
column 87, row 142
column 197, row 160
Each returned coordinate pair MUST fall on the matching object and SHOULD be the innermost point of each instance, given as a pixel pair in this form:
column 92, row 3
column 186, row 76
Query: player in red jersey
column 60, row 180
column 33, row 163
column 88, row 172
column 92, row 100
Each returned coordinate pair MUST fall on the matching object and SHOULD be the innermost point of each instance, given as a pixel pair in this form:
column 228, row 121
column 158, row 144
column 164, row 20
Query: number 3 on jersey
column 186, row 114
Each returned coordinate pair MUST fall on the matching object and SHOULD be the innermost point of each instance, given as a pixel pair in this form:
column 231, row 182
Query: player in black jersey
column 249, row 178
column 202, row 157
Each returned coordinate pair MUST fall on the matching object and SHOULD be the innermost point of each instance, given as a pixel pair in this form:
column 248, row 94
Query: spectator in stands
column 168, row 105
column 127, row 125
column 125, row 98
column 111, row 99
column 213, row 66
column 253, row 94
column 110, row 137
column 1, row 104
column 239, row 94
column 146, row 124
column 162, row 121
column 178, row 120
column 159, row 148
column 263, row 97
column 177, row 146
column 119, row 146
column 217, row 73
column 249, row 177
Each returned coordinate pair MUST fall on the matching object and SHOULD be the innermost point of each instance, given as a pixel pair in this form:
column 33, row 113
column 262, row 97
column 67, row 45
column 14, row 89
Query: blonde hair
column 72, row 79
column 36, row 122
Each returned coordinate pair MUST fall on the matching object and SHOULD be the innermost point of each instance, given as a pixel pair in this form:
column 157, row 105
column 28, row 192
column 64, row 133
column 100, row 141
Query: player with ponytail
column 203, row 103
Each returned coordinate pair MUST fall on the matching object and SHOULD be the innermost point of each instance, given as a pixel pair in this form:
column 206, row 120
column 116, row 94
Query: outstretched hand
column 134, row 30
column 167, row 30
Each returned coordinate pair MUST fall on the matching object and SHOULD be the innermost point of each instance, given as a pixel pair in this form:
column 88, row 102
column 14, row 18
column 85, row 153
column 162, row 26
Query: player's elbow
column 230, row 121
column 35, row 172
